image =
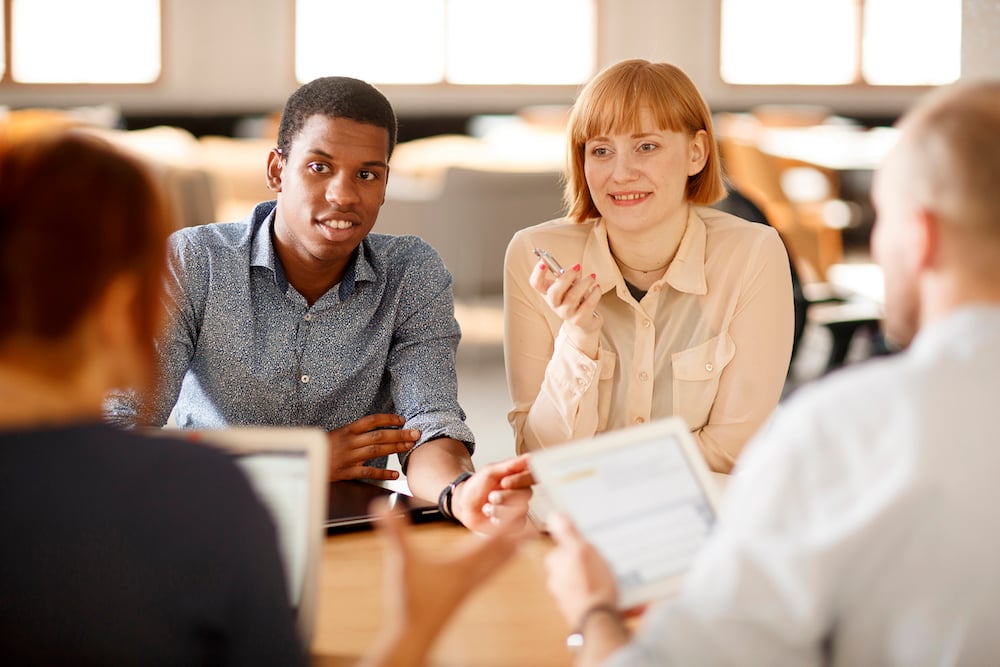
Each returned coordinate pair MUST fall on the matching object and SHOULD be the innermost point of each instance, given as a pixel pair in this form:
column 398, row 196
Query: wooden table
column 510, row 620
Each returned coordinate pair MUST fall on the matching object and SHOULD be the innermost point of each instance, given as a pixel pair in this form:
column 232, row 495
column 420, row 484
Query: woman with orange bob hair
column 666, row 307
column 119, row 548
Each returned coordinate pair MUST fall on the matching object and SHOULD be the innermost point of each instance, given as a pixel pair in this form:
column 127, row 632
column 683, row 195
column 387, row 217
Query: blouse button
column 640, row 420
column 644, row 376
column 647, row 323
column 709, row 367
column 307, row 317
column 305, row 379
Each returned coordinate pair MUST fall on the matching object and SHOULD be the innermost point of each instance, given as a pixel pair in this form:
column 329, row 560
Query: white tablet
column 287, row 468
column 643, row 496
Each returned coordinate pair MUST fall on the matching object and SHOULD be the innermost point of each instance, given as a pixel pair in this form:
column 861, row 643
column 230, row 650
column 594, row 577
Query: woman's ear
column 697, row 152
column 117, row 333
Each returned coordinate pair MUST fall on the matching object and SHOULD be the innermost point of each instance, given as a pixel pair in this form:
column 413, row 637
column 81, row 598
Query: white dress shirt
column 862, row 525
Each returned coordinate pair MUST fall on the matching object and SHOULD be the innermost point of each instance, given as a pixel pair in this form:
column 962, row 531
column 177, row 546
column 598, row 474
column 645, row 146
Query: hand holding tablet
column 642, row 496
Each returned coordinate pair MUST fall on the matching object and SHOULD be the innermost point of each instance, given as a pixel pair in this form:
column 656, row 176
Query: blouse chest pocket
column 606, row 379
column 696, row 378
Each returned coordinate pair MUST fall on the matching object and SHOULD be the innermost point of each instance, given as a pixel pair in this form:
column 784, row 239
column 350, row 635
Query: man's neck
column 310, row 277
column 312, row 283
column 941, row 295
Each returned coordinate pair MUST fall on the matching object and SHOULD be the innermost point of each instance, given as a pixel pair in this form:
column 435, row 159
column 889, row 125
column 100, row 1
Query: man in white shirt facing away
column 861, row 526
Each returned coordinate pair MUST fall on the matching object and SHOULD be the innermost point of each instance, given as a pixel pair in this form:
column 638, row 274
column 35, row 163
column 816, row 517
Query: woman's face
column 638, row 181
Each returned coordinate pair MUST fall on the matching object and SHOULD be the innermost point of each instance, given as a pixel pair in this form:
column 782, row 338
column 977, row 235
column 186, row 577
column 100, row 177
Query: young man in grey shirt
column 300, row 316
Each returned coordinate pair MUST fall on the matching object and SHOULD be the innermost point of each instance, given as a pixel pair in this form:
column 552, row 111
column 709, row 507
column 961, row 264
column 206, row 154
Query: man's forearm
column 434, row 465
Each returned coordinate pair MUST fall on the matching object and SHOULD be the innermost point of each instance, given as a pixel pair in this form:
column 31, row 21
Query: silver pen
column 550, row 261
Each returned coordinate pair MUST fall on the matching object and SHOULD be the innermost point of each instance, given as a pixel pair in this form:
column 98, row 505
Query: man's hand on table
column 370, row 437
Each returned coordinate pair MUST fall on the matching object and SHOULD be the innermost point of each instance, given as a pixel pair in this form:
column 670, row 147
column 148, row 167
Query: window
column 456, row 41
column 69, row 41
column 839, row 42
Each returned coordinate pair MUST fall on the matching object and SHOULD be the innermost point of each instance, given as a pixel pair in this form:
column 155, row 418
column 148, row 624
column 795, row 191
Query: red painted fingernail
column 576, row 267
column 593, row 275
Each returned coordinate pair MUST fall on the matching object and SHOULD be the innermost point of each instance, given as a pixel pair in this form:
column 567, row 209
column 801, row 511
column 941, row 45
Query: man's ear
column 697, row 152
column 926, row 239
column 275, row 165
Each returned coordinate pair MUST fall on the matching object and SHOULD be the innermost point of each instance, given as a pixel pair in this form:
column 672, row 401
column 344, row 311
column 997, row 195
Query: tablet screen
column 644, row 500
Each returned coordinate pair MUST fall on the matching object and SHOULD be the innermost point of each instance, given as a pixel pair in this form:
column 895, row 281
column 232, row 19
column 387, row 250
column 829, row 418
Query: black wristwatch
column 444, row 500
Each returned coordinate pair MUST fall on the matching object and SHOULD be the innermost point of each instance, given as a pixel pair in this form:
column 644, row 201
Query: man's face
column 330, row 185
column 893, row 245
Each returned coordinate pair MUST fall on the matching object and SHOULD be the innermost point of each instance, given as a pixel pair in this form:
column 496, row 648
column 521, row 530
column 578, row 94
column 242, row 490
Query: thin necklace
column 621, row 263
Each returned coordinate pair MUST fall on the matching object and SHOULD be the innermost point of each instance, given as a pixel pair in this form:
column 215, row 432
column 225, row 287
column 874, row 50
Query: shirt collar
column 686, row 272
column 966, row 327
column 262, row 253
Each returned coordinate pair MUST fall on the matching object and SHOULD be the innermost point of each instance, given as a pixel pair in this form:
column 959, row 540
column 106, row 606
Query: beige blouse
column 710, row 341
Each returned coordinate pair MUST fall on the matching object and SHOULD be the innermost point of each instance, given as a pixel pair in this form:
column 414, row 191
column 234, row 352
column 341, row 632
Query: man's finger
column 502, row 469
column 390, row 435
column 511, row 497
column 338, row 474
column 520, row 480
column 561, row 528
column 375, row 421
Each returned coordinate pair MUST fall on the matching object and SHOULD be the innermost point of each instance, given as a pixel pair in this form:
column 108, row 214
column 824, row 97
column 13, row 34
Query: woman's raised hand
column 573, row 296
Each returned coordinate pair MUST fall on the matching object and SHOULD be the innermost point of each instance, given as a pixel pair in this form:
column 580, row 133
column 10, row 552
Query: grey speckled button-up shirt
column 245, row 348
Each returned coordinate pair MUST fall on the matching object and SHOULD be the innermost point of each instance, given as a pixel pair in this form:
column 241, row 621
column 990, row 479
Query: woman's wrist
column 583, row 341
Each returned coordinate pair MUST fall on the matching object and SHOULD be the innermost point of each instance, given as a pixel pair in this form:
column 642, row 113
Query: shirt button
column 647, row 323
column 709, row 367
column 644, row 376
column 304, row 378
column 307, row 317
column 581, row 381
column 640, row 420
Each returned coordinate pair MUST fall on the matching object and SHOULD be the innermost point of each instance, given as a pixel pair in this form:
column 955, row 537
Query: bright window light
column 794, row 42
column 455, row 41
column 520, row 41
column 788, row 42
column 3, row 50
column 927, row 52
column 382, row 41
column 97, row 41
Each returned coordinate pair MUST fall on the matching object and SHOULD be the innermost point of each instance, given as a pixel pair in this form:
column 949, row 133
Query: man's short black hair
column 336, row 97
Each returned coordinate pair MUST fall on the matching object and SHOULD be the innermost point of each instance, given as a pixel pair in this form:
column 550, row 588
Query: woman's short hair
column 336, row 97
column 75, row 213
column 610, row 103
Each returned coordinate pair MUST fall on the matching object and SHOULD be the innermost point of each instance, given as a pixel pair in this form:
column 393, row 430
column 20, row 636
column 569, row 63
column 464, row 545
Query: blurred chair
column 800, row 201
column 471, row 219
column 842, row 316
